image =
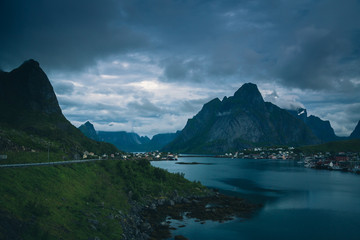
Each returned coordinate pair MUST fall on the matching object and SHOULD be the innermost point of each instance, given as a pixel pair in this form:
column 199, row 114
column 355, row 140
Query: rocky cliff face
column 238, row 122
column 356, row 132
column 27, row 99
column 322, row 129
column 28, row 88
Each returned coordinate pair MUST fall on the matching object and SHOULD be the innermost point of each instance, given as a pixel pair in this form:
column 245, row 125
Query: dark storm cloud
column 320, row 59
column 63, row 34
column 306, row 45
column 319, row 47
column 177, row 69
column 191, row 106
column 303, row 44
column 63, row 87
column 144, row 107
column 79, row 104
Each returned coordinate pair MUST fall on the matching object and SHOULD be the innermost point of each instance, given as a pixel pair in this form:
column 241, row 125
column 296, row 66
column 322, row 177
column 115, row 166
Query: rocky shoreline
column 152, row 219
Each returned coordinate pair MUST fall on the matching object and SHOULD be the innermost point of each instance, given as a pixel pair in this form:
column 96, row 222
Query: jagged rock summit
column 88, row 130
column 27, row 88
column 243, row 120
column 249, row 94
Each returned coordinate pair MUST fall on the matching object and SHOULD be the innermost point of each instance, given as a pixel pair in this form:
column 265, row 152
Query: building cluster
column 151, row 156
column 91, row 155
column 156, row 156
column 265, row 153
column 341, row 161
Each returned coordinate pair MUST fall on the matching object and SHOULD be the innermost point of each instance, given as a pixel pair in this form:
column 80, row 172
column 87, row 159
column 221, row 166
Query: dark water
column 299, row 203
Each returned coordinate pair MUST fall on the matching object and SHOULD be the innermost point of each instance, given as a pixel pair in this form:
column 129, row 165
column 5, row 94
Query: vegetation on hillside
column 62, row 145
column 80, row 201
column 334, row 147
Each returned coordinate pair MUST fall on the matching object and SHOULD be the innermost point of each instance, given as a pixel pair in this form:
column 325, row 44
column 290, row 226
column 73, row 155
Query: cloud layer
column 147, row 66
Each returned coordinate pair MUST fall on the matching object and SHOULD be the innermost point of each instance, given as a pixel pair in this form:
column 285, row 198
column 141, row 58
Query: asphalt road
column 48, row 163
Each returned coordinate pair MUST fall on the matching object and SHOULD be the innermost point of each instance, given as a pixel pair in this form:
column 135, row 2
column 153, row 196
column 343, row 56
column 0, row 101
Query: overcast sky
column 148, row 66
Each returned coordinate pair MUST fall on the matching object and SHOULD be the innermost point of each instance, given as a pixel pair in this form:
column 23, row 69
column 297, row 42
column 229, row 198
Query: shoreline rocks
column 151, row 220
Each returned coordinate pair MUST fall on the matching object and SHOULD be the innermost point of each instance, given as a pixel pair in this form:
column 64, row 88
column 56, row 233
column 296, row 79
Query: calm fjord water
column 299, row 203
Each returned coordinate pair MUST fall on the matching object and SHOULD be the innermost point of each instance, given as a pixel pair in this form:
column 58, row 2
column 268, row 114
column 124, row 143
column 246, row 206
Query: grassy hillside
column 333, row 147
column 79, row 201
column 23, row 147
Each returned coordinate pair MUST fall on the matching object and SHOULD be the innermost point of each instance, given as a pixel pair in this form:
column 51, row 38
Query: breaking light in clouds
column 148, row 66
column 126, row 101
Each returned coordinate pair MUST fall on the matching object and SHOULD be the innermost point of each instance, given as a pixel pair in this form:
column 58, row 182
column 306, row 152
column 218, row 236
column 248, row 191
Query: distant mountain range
column 246, row 120
column 129, row 142
column 31, row 119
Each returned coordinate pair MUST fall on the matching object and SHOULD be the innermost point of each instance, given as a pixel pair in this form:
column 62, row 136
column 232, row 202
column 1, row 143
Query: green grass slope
column 22, row 147
column 79, row 201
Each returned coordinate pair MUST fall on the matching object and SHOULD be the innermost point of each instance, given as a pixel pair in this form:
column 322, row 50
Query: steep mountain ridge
column 126, row 141
column 24, row 92
column 322, row 129
column 240, row 121
column 31, row 118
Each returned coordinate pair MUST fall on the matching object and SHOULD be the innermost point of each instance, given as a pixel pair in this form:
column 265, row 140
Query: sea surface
column 298, row 203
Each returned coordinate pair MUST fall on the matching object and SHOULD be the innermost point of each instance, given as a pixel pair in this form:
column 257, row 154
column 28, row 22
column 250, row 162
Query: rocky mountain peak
column 210, row 108
column 88, row 130
column 27, row 89
column 31, row 63
column 89, row 124
column 213, row 103
column 249, row 94
column 238, row 122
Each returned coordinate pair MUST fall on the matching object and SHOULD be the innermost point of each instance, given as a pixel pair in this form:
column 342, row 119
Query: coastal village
column 151, row 156
column 339, row 161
